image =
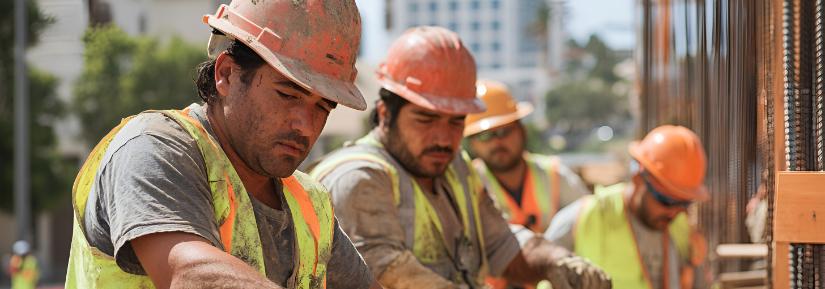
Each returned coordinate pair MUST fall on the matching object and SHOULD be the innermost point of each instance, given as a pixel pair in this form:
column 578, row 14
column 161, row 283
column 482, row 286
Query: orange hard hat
column 676, row 159
column 501, row 108
column 314, row 43
column 430, row 67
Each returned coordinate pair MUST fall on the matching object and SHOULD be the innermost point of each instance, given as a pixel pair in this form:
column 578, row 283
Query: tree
column 51, row 173
column 590, row 95
column 125, row 75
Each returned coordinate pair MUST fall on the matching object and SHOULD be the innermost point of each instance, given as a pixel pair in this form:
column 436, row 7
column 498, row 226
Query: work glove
column 574, row 272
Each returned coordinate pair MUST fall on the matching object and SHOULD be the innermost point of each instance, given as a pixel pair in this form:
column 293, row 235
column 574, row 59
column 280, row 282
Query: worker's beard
column 501, row 159
column 397, row 147
column 652, row 221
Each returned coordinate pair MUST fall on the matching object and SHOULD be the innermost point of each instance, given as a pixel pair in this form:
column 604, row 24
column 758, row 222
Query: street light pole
column 22, row 198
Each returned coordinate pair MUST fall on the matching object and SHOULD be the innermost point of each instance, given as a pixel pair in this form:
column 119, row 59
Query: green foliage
column 590, row 96
column 582, row 105
column 125, row 75
column 51, row 174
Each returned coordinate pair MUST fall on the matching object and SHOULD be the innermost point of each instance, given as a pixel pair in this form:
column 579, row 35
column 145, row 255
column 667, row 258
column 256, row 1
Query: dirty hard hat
column 431, row 67
column 314, row 43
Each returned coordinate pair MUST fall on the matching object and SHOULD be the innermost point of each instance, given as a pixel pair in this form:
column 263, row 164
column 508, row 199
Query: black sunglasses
column 486, row 136
column 660, row 197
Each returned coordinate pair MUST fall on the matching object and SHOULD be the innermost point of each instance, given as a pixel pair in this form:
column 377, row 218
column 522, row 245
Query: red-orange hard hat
column 314, row 43
column 675, row 157
column 430, row 67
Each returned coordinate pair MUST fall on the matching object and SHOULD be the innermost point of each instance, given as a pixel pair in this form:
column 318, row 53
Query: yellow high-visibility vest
column 418, row 216
column 309, row 204
column 604, row 235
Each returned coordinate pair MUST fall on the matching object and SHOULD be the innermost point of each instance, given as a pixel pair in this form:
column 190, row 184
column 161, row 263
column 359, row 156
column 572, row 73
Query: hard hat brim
column 697, row 194
column 444, row 104
column 333, row 89
column 522, row 109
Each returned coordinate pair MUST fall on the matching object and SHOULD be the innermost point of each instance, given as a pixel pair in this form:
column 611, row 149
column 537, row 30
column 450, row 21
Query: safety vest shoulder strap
column 546, row 182
column 680, row 230
column 494, row 188
column 232, row 206
column 359, row 152
column 314, row 221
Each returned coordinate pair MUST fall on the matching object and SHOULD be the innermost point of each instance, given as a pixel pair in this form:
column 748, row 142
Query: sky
column 612, row 20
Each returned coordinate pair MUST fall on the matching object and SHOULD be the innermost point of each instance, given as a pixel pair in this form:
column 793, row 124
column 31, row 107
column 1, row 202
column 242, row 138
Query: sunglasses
column 494, row 133
column 661, row 197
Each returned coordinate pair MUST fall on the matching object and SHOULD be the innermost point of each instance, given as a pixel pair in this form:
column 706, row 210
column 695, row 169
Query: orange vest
column 540, row 193
column 539, row 199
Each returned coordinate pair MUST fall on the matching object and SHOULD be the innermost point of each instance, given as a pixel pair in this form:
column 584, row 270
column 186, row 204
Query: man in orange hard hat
column 208, row 196
column 528, row 188
column 638, row 231
column 409, row 198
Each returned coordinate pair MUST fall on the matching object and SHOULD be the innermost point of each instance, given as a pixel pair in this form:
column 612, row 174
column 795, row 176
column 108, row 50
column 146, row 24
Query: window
column 453, row 5
column 495, row 25
column 433, row 7
column 495, row 4
column 495, row 46
column 495, row 65
column 475, row 5
column 413, row 7
column 475, row 25
column 475, row 47
column 452, row 26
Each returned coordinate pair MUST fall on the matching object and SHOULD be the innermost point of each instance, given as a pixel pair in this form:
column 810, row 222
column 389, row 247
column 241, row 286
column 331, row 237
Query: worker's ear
column 381, row 110
column 224, row 67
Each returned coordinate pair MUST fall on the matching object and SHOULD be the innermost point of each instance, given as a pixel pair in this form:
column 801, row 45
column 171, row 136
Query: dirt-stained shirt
column 155, row 181
column 363, row 198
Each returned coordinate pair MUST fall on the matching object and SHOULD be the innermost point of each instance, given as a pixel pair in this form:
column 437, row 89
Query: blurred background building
column 97, row 61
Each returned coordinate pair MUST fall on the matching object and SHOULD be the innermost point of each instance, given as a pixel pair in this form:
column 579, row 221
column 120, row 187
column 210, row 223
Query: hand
column 576, row 272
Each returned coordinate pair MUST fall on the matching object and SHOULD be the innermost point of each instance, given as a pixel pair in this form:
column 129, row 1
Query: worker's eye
column 286, row 95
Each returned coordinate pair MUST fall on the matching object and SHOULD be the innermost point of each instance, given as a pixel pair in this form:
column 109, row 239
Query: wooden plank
column 799, row 214
column 781, row 265
column 742, row 251
column 743, row 279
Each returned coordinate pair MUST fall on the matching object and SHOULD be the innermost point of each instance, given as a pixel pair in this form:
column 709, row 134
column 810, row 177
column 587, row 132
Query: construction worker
column 409, row 199
column 208, row 196
column 23, row 267
column 638, row 231
column 528, row 188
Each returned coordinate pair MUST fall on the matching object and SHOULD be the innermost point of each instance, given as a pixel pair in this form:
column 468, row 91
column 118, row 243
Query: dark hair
column 393, row 102
column 245, row 57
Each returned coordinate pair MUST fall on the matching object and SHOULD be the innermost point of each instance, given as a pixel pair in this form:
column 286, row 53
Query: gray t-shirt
column 153, row 179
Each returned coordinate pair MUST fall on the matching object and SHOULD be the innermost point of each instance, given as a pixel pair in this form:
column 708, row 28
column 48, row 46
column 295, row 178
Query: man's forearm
column 223, row 274
column 182, row 260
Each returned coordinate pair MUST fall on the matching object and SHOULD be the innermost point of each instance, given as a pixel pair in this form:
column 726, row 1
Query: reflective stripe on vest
column 423, row 228
column 604, row 235
column 540, row 192
column 309, row 204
